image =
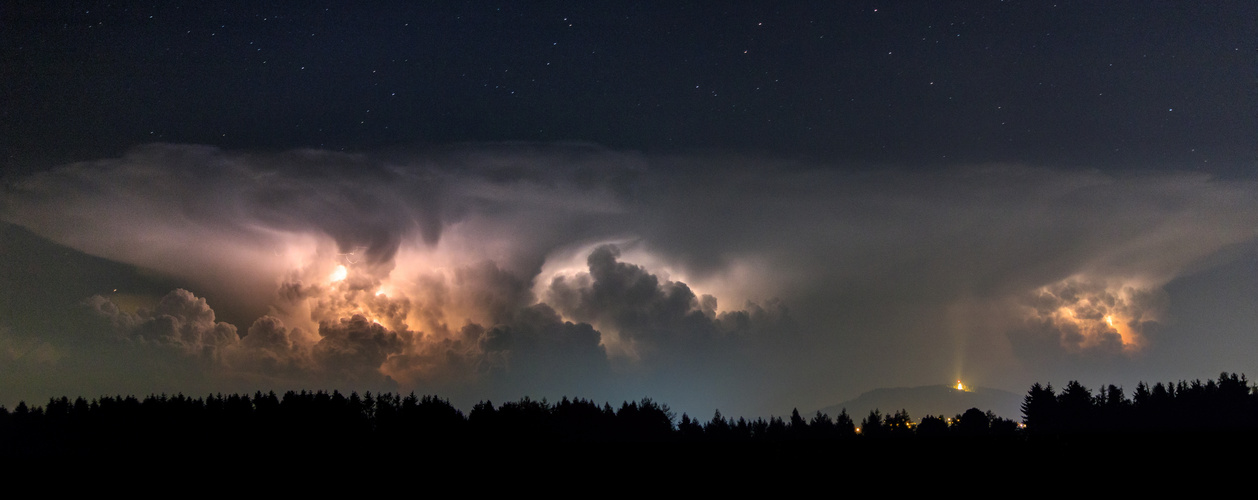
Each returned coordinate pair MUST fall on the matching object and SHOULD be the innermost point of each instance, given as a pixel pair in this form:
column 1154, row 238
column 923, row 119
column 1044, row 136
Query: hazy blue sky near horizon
column 748, row 207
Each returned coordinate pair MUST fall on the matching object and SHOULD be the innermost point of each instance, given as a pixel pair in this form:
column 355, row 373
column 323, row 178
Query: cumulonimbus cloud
column 515, row 264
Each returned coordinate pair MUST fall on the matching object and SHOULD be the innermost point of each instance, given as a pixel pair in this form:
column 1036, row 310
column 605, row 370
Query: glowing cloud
column 1096, row 314
column 562, row 269
column 339, row 274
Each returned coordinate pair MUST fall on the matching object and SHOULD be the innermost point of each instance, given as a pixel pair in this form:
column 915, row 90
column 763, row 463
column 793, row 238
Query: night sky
column 750, row 207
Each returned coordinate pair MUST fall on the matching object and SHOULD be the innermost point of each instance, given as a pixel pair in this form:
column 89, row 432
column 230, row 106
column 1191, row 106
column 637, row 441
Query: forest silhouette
column 318, row 423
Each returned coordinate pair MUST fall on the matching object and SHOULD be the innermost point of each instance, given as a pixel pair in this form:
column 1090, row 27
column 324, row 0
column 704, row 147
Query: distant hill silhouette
column 932, row 400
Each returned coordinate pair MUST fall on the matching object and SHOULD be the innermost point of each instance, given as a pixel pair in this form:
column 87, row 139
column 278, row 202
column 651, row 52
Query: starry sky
column 749, row 207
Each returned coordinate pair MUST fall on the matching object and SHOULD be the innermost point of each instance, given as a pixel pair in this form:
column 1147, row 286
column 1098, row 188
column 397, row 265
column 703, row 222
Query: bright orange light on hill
column 960, row 386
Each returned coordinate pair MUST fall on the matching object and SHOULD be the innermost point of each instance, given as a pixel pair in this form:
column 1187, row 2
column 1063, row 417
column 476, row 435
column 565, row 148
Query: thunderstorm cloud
column 495, row 271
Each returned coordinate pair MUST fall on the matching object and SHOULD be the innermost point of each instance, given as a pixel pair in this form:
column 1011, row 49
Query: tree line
column 321, row 422
column 1228, row 404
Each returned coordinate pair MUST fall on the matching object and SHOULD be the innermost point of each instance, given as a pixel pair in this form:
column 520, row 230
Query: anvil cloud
column 497, row 271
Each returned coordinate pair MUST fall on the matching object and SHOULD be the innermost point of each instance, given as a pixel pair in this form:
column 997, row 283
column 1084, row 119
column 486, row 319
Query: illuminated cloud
column 506, row 270
column 1095, row 315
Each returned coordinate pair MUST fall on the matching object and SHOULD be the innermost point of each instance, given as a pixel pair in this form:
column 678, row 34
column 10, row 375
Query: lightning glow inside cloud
column 502, row 270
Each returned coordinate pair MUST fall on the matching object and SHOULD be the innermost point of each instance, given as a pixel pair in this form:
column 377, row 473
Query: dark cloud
column 631, row 300
column 496, row 294
column 649, row 314
column 272, row 344
column 540, row 351
column 180, row 319
column 356, row 347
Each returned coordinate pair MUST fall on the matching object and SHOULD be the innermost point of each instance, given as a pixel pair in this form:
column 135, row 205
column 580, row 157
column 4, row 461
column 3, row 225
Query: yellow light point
column 960, row 386
column 1130, row 338
column 339, row 274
